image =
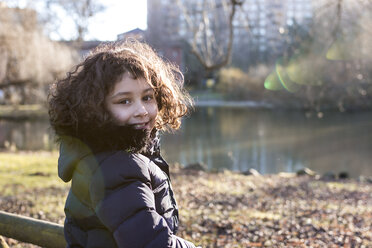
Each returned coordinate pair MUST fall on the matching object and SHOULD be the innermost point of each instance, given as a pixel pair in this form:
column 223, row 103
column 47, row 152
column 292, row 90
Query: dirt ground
column 233, row 210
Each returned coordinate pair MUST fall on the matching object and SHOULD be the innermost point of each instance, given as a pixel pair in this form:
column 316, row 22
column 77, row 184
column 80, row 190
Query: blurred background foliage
column 29, row 60
column 300, row 54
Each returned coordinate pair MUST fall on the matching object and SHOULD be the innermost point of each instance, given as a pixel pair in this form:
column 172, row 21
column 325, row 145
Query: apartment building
column 259, row 25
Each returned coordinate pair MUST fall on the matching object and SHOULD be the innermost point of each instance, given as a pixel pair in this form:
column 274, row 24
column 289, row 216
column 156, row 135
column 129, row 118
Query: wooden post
column 30, row 230
column 3, row 244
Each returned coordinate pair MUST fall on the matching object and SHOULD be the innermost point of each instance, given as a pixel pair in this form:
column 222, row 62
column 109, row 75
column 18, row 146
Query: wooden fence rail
column 30, row 230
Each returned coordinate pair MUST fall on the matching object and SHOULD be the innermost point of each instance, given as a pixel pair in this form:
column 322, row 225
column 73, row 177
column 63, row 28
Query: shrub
column 239, row 85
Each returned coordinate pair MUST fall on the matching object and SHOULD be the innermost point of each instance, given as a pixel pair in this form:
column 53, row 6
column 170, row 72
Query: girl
column 106, row 114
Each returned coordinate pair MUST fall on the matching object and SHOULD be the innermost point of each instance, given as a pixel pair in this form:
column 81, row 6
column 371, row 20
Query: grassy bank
column 217, row 209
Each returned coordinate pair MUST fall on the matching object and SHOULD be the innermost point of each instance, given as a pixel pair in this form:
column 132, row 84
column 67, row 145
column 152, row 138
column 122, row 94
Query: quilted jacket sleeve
column 124, row 202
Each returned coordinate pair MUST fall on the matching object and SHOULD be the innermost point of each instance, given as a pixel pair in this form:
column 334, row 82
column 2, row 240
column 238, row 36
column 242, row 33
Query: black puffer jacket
column 118, row 199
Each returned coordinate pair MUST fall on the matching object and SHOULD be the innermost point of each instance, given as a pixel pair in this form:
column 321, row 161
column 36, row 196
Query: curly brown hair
column 78, row 100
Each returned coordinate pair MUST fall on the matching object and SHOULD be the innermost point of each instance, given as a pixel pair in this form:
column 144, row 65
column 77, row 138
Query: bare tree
column 28, row 59
column 80, row 11
column 211, row 26
column 52, row 13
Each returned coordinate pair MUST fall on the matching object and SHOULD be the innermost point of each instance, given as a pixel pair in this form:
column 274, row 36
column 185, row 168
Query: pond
column 242, row 138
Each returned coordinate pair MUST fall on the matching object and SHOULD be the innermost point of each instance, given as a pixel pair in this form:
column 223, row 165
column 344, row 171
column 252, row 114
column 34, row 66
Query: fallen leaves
column 231, row 210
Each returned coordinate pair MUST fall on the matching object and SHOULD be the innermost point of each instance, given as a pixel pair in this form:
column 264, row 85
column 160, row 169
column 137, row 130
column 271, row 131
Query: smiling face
column 132, row 102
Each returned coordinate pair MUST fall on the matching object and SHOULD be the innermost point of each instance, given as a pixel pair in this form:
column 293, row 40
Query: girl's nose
column 141, row 110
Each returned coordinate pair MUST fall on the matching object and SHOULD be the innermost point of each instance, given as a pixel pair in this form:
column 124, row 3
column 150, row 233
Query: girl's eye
column 124, row 101
column 148, row 98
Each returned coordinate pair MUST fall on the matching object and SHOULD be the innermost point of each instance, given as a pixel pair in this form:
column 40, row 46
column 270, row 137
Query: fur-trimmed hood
column 113, row 138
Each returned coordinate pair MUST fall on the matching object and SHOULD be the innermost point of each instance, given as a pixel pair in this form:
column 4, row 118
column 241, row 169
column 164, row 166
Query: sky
column 120, row 16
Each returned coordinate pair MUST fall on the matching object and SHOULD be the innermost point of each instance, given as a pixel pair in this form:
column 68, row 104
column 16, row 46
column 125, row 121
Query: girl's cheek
column 154, row 107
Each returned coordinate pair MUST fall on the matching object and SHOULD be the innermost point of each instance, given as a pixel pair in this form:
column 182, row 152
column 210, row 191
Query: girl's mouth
column 143, row 125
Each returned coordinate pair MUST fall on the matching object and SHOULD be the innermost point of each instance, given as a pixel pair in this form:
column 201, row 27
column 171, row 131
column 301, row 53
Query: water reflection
column 271, row 142
column 26, row 135
column 239, row 139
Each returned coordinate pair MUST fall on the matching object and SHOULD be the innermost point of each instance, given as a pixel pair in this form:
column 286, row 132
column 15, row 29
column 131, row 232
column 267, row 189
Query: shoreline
column 39, row 111
column 201, row 168
column 23, row 112
column 223, row 103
